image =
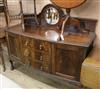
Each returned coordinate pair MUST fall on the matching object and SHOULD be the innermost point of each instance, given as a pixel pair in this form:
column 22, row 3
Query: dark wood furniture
column 62, row 58
column 59, row 58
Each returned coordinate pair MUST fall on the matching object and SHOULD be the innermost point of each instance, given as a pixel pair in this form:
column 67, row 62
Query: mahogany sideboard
column 60, row 58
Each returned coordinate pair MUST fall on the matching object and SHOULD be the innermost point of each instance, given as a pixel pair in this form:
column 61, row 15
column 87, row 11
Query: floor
column 7, row 83
column 16, row 79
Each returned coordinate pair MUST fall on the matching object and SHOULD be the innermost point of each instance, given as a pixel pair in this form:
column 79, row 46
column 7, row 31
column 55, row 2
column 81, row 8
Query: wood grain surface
column 68, row 3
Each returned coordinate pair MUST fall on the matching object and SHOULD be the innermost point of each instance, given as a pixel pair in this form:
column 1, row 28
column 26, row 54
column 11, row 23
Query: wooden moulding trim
column 66, row 76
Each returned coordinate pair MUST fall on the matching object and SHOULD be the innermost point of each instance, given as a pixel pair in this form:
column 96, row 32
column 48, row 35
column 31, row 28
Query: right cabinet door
column 68, row 61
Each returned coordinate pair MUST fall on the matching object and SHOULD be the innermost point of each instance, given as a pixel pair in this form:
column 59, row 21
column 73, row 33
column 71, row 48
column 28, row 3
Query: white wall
column 28, row 6
column 91, row 9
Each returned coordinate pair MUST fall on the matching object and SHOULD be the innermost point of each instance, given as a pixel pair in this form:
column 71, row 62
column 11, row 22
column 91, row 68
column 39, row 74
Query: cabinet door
column 67, row 61
column 14, row 45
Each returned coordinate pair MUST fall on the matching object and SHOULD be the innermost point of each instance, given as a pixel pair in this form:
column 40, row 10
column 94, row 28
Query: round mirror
column 51, row 16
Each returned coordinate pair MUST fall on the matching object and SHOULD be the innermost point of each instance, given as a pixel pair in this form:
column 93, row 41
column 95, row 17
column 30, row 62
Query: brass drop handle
column 41, row 58
column 26, row 43
column 41, row 47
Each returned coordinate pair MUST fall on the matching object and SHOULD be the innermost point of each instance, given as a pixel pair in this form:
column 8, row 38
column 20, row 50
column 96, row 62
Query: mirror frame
column 60, row 11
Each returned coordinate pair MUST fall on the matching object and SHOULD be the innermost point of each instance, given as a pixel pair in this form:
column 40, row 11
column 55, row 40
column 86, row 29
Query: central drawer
column 42, row 55
column 41, row 45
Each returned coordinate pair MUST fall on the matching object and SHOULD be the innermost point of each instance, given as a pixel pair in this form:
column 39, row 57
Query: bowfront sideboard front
column 59, row 58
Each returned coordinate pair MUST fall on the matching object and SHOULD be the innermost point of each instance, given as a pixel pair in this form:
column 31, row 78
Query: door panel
column 14, row 44
column 67, row 60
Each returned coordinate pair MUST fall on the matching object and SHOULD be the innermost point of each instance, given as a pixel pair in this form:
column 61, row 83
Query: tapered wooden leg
column 2, row 58
column 3, row 63
column 12, row 66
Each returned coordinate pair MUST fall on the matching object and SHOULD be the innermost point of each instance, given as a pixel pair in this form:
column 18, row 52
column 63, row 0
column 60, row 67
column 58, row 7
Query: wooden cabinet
column 57, row 58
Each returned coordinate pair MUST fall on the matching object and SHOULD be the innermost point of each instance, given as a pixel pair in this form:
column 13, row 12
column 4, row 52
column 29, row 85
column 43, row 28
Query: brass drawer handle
column 41, row 58
column 26, row 43
column 41, row 47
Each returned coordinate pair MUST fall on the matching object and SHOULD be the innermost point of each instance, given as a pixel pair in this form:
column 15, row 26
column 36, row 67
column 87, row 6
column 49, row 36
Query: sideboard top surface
column 38, row 33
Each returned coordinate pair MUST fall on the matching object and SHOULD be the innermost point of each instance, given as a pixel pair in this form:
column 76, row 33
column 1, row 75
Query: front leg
column 2, row 58
column 3, row 63
column 12, row 66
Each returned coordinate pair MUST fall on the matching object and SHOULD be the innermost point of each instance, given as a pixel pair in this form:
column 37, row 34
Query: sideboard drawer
column 42, row 45
column 68, row 47
column 39, row 45
column 38, row 56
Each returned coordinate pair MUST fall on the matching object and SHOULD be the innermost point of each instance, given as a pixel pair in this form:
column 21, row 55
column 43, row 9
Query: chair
column 1, row 54
column 13, row 18
column 3, row 9
column 3, row 5
column 7, row 7
column 90, row 72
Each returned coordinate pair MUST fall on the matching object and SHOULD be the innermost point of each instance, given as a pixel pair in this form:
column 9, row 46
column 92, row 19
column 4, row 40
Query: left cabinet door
column 14, row 45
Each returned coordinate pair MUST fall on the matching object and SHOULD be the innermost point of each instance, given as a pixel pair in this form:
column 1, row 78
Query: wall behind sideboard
column 91, row 9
